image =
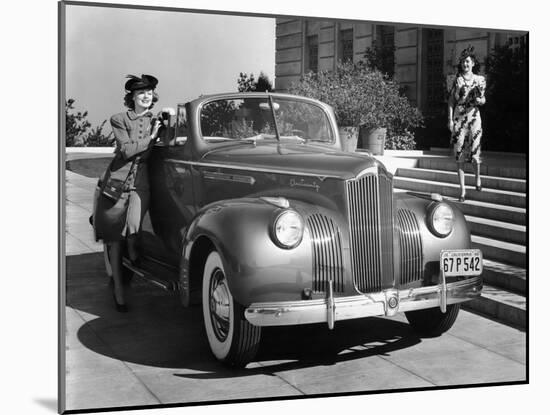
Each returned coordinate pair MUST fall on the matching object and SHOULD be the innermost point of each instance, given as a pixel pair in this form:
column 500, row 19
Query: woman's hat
column 145, row 82
column 469, row 51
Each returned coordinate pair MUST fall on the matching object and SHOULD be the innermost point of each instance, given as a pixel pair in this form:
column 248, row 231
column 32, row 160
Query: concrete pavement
column 157, row 353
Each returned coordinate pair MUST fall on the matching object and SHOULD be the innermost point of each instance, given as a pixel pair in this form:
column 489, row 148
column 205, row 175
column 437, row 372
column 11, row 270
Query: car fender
column 257, row 269
column 432, row 245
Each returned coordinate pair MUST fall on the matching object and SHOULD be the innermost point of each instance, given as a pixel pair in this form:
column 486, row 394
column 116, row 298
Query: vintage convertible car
column 257, row 213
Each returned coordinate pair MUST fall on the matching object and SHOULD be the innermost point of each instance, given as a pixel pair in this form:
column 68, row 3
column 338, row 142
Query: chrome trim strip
column 326, row 247
column 212, row 175
column 165, row 285
column 410, row 242
column 360, row 306
column 331, row 307
column 255, row 169
column 443, row 297
column 295, row 183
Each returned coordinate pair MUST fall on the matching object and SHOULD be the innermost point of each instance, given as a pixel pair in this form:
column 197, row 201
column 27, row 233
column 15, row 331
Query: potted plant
column 390, row 120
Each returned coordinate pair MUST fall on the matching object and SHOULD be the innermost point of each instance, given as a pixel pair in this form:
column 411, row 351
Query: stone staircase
column 497, row 217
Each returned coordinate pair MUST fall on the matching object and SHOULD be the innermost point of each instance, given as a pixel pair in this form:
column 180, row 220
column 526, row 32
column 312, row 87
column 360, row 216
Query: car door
column 172, row 205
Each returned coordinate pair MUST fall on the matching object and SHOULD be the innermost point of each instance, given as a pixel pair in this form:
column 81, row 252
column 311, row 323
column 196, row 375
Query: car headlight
column 288, row 229
column 441, row 220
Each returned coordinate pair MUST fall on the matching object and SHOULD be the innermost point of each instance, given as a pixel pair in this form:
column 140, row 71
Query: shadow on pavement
column 291, row 348
column 159, row 332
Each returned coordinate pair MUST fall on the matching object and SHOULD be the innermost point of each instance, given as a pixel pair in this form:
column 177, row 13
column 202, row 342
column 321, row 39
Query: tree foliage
column 96, row 137
column 79, row 131
column 76, row 125
column 248, row 83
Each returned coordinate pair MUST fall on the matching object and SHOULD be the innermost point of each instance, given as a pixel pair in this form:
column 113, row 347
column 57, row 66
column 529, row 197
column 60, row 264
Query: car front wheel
column 431, row 321
column 233, row 340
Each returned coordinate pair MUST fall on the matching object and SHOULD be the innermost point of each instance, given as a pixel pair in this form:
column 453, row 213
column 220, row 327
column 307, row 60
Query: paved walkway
column 79, row 197
column 157, row 353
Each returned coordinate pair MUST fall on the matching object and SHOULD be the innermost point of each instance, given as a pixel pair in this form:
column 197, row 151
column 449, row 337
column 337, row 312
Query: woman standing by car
column 135, row 131
column 467, row 94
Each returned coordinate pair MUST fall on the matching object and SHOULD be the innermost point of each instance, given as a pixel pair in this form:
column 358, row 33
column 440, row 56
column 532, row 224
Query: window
column 256, row 119
column 346, row 45
column 312, row 53
column 517, row 44
column 435, row 81
column 385, row 43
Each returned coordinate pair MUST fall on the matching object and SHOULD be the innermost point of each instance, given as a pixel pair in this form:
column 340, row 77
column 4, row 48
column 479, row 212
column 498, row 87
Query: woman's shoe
column 462, row 199
column 121, row 308
column 479, row 188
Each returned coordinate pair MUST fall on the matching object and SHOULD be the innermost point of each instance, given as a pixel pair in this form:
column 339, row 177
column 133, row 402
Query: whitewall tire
column 233, row 340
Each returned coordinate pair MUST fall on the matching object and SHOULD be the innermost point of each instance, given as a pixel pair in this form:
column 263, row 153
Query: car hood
column 299, row 159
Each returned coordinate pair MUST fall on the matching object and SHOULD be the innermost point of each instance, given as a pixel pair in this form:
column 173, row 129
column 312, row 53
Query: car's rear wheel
column 233, row 340
column 431, row 321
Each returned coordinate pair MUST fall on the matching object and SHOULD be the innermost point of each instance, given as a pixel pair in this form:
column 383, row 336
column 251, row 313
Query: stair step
column 504, row 306
column 510, row 214
column 516, row 170
column 504, row 276
column 500, row 251
column 493, row 211
column 489, row 182
column 503, row 231
column 501, row 197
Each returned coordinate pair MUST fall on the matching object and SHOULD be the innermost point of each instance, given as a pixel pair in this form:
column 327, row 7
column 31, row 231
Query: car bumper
column 384, row 303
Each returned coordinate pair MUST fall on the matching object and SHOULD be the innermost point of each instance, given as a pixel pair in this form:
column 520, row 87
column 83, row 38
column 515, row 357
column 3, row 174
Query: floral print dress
column 467, row 131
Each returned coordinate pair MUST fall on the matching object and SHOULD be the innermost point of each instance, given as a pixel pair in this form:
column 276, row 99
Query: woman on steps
column 466, row 95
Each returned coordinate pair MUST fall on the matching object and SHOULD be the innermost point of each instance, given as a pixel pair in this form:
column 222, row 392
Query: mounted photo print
column 270, row 207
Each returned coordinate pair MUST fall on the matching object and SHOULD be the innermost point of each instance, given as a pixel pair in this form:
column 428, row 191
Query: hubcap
column 218, row 296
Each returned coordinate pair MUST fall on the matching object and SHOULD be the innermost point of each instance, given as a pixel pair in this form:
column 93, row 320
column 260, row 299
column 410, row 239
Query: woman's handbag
column 111, row 203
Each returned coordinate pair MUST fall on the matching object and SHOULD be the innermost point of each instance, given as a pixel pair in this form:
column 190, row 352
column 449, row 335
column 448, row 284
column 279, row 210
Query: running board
column 149, row 277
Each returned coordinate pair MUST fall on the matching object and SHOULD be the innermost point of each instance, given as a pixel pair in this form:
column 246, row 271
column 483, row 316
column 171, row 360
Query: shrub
column 404, row 141
column 76, row 125
column 362, row 96
column 96, row 137
column 77, row 129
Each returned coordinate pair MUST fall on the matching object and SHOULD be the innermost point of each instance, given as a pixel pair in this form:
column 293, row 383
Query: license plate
column 461, row 262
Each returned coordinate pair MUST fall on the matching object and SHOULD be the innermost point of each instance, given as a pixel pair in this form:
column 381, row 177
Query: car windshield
column 252, row 119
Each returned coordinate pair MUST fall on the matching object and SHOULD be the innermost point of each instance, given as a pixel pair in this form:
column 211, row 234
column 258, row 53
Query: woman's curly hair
column 468, row 53
column 129, row 100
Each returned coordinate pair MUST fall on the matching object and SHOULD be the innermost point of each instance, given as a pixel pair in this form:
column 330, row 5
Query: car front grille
column 410, row 244
column 327, row 253
column 370, row 212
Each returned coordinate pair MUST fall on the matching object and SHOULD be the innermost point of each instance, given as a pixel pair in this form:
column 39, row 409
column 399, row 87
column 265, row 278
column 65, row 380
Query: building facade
column 421, row 59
